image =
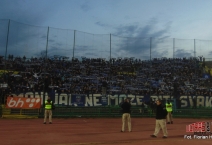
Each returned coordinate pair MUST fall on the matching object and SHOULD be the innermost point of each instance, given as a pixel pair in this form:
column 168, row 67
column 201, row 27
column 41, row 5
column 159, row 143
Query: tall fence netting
column 26, row 40
column 204, row 48
column 60, row 43
column 91, row 45
column 130, row 47
column 184, row 48
column 20, row 39
column 161, row 47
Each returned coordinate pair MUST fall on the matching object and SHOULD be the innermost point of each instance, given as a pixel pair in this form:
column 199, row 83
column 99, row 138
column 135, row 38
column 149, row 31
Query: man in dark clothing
column 104, row 87
column 46, row 84
column 161, row 113
column 175, row 91
column 178, row 102
column 194, row 102
column 126, row 109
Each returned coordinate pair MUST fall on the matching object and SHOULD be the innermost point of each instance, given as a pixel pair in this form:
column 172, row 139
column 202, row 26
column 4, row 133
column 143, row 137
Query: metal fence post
column 150, row 48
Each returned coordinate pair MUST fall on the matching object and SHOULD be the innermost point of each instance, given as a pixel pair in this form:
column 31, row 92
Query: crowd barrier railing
column 102, row 111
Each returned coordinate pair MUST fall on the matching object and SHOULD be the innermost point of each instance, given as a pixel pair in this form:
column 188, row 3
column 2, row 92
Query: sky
column 106, row 28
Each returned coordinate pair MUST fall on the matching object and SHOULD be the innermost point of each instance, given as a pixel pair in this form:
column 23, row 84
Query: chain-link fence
column 19, row 39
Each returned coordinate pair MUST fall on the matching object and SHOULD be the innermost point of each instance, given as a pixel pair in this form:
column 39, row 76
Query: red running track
column 92, row 131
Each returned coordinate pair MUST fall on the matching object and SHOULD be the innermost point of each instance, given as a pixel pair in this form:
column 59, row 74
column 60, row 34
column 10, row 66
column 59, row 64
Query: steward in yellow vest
column 169, row 106
column 169, row 110
column 49, row 106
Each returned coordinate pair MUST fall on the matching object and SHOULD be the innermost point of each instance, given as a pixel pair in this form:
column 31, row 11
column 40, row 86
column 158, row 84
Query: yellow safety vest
column 169, row 107
column 48, row 105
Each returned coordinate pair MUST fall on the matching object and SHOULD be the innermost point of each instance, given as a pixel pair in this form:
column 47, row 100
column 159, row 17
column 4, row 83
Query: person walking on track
column 161, row 114
column 126, row 109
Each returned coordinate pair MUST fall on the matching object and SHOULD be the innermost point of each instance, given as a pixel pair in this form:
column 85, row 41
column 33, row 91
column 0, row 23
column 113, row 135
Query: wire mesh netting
column 162, row 47
column 26, row 40
column 91, row 45
column 60, row 43
column 130, row 47
column 184, row 48
column 203, row 48
column 19, row 39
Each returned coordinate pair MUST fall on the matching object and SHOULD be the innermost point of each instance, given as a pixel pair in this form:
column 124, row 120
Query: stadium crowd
column 160, row 76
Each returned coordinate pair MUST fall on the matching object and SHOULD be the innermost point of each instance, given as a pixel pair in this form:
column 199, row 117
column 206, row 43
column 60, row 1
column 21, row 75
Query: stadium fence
column 20, row 39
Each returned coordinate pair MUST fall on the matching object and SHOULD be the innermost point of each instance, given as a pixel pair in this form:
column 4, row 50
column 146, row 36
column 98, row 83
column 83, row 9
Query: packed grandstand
column 160, row 76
